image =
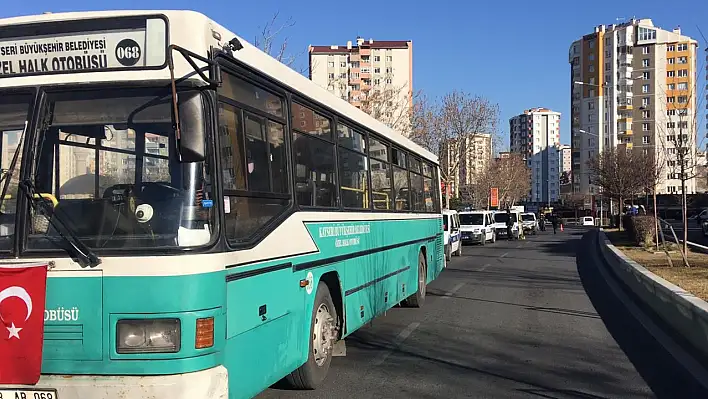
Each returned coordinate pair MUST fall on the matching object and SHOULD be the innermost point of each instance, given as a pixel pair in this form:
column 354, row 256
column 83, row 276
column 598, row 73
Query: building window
column 646, row 75
column 645, row 50
column 683, row 47
column 646, row 114
column 645, row 88
column 682, row 99
column 670, row 99
column 682, row 60
column 645, row 127
column 646, row 33
column 670, row 47
column 645, row 140
column 645, row 101
column 645, row 63
column 670, row 74
column 671, row 61
column 671, row 86
column 683, row 86
column 377, row 58
column 682, row 73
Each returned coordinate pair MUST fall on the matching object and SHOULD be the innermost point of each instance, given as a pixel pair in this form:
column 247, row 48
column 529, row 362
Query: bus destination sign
column 81, row 52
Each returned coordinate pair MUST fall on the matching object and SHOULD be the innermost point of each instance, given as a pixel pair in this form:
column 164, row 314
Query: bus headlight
column 148, row 336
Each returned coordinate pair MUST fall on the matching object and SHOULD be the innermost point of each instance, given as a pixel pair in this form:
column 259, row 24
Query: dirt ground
column 693, row 279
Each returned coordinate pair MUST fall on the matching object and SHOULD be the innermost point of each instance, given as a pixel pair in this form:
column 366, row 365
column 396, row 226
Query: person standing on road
column 509, row 225
column 554, row 223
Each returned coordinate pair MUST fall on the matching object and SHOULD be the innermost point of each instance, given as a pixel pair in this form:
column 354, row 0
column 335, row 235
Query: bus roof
column 199, row 39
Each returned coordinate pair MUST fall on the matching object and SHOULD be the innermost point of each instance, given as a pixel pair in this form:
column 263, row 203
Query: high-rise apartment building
column 357, row 71
column 535, row 134
column 564, row 158
column 475, row 157
column 633, row 86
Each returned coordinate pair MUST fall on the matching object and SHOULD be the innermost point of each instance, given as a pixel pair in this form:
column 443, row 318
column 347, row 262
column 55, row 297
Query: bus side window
column 252, row 148
column 313, row 153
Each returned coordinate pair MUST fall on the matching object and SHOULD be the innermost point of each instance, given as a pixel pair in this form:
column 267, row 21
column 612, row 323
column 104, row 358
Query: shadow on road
column 664, row 375
column 567, row 312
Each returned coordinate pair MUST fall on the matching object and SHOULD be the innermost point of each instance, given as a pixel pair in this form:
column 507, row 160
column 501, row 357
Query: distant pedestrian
column 509, row 225
column 554, row 223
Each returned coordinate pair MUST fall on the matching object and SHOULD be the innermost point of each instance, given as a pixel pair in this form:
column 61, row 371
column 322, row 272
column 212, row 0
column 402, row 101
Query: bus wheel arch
column 333, row 282
column 418, row 298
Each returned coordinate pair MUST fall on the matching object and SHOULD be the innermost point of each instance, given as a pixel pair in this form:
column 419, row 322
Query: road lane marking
column 396, row 343
column 483, row 268
column 453, row 291
column 678, row 353
column 504, row 255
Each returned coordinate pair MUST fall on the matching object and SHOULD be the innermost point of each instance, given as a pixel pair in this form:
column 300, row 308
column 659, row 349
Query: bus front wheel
column 323, row 330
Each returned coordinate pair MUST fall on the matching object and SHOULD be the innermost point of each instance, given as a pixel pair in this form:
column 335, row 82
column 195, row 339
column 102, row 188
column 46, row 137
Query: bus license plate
column 6, row 393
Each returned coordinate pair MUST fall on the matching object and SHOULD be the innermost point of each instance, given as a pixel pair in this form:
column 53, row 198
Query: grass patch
column 693, row 279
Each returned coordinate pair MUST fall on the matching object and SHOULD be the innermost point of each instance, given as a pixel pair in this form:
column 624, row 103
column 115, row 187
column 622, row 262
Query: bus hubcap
column 322, row 339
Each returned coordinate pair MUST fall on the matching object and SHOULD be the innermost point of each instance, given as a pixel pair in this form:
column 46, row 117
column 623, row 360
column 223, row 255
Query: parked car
column 529, row 222
column 477, row 227
column 451, row 234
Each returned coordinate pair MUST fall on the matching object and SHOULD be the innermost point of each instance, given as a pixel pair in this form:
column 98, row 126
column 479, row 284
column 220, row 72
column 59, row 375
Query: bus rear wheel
column 323, row 334
column 418, row 299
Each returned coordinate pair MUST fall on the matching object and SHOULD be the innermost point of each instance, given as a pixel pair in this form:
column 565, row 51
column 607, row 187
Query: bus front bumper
column 208, row 384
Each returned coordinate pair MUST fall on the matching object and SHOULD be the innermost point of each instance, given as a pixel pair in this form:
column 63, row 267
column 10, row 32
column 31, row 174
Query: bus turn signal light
column 205, row 333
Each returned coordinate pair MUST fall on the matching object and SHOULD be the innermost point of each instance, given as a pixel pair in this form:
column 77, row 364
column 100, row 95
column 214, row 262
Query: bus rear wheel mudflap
column 323, row 335
column 418, row 299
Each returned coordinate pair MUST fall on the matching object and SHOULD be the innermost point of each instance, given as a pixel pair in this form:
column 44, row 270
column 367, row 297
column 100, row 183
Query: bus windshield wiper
column 80, row 251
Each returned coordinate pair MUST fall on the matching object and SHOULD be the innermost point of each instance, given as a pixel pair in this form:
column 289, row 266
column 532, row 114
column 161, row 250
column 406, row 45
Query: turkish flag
column 22, row 295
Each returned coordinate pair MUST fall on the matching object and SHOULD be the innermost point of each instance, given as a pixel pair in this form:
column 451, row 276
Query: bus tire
column 418, row 299
column 323, row 323
column 448, row 255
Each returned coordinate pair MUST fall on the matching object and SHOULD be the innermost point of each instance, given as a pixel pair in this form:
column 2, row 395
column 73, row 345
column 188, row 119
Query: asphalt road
column 515, row 319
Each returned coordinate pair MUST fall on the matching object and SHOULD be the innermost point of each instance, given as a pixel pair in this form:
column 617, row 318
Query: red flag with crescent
column 22, row 296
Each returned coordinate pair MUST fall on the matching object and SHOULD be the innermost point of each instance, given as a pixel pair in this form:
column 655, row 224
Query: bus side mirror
column 192, row 143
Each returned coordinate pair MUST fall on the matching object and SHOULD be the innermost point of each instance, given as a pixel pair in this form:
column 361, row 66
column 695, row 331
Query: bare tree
column 618, row 173
column 448, row 126
column 512, row 177
column 652, row 164
column 678, row 140
column 391, row 105
column 269, row 41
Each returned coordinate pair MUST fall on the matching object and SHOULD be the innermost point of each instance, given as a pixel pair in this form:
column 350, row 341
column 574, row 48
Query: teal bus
column 213, row 221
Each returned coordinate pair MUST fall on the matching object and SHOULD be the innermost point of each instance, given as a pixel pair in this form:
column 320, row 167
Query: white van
column 588, row 221
column 477, row 227
column 451, row 232
column 500, row 218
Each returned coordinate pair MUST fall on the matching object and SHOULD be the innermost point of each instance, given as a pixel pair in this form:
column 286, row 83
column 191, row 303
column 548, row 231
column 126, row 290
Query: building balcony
column 627, row 120
column 625, row 58
column 627, row 132
column 624, row 107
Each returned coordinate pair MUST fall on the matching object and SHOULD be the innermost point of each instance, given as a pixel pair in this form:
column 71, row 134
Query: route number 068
column 128, row 53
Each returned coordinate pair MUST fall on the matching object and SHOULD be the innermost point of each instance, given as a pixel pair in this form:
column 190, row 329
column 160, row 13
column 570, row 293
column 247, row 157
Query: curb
column 683, row 311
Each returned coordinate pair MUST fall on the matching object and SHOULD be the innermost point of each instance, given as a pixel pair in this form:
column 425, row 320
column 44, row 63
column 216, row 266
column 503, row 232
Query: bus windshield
column 13, row 115
column 107, row 160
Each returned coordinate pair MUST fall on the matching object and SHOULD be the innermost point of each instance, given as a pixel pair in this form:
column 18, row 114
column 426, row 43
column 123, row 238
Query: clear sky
column 514, row 52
